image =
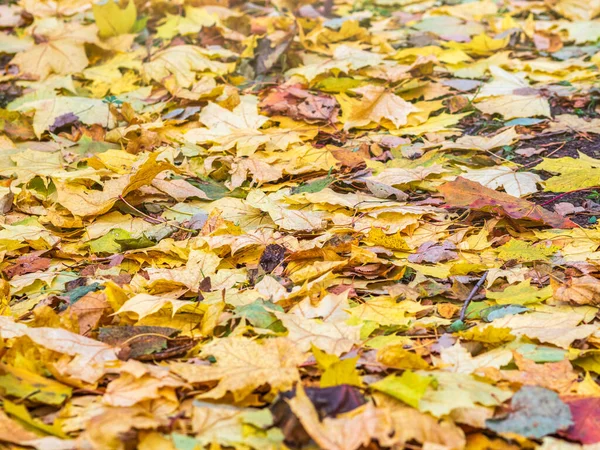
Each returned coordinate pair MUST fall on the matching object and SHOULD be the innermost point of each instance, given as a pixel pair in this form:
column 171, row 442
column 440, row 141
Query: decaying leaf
column 535, row 413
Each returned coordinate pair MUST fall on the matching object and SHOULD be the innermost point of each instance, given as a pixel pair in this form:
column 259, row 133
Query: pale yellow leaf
column 334, row 338
column 243, row 364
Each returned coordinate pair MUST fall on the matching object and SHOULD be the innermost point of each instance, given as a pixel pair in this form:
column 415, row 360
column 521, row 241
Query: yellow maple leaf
column 62, row 53
column 183, row 62
column 82, row 201
column 113, row 20
column 244, row 364
column 377, row 104
column 335, row 338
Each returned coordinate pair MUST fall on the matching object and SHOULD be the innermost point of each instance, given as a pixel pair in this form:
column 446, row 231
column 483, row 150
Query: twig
column 474, row 291
column 558, row 197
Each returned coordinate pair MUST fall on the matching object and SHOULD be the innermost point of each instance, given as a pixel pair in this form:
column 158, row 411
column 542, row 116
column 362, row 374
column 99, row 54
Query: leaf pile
column 283, row 224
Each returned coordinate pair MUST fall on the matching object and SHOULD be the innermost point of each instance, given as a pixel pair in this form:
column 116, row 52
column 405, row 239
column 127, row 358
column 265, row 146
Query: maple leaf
column 89, row 356
column 14, row 432
column 536, row 412
column 226, row 199
column 458, row 359
column 84, row 202
column 194, row 20
column 574, row 173
column 462, row 192
column 520, row 294
column 243, row 365
column 183, row 62
column 409, row 423
column 377, row 104
column 443, row 399
column 238, row 128
column 345, row 58
column 581, row 291
column 517, row 184
column 232, row 426
column 112, row 20
column 483, row 143
column 138, row 383
column 63, row 51
column 558, row 376
column 48, row 110
column 334, row 338
column 585, row 418
column 559, row 328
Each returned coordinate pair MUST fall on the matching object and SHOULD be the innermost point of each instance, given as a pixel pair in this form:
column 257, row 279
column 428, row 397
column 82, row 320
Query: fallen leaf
column 535, row 413
column 517, row 184
column 444, row 398
column 334, row 338
column 89, row 356
column 378, row 104
column 581, row 291
column 557, row 376
column 465, row 193
column 113, row 20
column 410, row 424
column 62, row 52
column 342, row 433
column 558, row 328
column 409, row 388
column 520, row 294
column 243, row 365
column 574, row 173
column 585, row 418
column 458, row 359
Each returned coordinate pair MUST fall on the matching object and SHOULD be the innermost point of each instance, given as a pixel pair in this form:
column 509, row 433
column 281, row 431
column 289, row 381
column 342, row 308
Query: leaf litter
column 336, row 225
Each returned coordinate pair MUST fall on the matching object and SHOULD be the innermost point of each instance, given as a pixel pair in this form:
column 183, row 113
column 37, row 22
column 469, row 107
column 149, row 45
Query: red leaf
column 464, row 193
column 586, row 418
column 299, row 104
column 28, row 263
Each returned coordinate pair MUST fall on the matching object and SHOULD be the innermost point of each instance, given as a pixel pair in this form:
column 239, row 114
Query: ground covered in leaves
column 284, row 224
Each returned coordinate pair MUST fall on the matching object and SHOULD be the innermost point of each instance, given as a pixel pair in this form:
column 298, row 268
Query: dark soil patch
column 559, row 146
column 556, row 146
column 589, row 217
column 583, row 106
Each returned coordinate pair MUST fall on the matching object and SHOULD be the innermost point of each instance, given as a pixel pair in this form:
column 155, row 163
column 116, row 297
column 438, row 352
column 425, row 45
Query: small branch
column 474, row 291
column 558, row 197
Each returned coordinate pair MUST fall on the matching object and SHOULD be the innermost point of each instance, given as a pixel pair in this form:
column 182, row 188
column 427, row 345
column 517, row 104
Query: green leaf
column 20, row 383
column 260, row 314
column 315, row 186
column 109, row 242
column 458, row 325
column 215, row 190
column 80, row 291
column 112, row 20
column 409, row 388
column 336, row 85
column 520, row 294
column 499, row 311
column 134, row 243
column 523, row 121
